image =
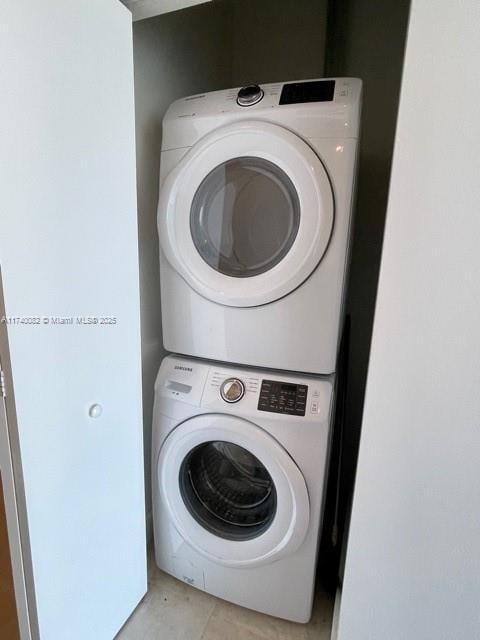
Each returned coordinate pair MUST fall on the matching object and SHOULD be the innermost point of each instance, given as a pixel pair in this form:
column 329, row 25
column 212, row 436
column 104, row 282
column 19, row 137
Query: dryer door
column 233, row 493
column 247, row 214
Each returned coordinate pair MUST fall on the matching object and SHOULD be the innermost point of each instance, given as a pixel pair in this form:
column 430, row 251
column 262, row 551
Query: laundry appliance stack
column 254, row 220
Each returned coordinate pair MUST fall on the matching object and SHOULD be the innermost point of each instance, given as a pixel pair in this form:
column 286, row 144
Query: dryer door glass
column 245, row 217
column 228, row 490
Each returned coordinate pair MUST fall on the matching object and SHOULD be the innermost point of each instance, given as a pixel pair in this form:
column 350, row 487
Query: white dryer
column 254, row 222
column 239, row 463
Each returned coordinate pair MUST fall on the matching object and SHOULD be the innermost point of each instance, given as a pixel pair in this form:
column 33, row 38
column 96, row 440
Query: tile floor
column 172, row 610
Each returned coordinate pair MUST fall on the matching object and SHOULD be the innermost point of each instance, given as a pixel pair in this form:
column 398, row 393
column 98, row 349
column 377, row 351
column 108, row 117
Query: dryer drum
column 228, row 490
column 245, row 217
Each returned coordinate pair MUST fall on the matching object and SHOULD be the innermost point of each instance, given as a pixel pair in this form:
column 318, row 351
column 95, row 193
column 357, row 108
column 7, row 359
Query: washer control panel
column 283, row 397
column 250, row 393
column 232, row 390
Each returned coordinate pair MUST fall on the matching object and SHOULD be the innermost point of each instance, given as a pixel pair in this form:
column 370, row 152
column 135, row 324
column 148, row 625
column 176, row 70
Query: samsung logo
column 177, row 366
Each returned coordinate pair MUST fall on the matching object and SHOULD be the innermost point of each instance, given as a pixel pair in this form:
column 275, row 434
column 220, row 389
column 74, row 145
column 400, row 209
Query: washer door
column 247, row 215
column 232, row 492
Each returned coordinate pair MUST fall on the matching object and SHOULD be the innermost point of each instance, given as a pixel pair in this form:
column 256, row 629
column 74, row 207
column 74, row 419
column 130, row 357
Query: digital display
column 300, row 92
column 178, row 386
column 282, row 397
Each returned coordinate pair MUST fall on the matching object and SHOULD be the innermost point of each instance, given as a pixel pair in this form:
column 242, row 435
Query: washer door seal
column 286, row 512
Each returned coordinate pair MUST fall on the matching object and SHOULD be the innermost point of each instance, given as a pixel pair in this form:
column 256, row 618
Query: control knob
column 250, row 95
column 232, row 390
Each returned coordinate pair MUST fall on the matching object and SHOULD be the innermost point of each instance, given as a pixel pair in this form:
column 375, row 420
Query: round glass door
column 228, row 490
column 231, row 491
column 247, row 214
column 245, row 217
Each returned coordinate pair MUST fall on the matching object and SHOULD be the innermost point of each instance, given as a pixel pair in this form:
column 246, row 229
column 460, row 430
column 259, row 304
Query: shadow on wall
column 366, row 39
column 277, row 40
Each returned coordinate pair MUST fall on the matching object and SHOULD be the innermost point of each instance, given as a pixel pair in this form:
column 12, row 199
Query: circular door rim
column 310, row 179
column 290, row 523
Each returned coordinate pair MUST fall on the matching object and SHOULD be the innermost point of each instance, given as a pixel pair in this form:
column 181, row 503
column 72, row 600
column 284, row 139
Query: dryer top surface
column 304, row 107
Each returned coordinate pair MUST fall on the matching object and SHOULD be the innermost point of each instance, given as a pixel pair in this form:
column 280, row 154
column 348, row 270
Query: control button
column 95, row 411
column 314, row 407
column 250, row 95
column 232, row 390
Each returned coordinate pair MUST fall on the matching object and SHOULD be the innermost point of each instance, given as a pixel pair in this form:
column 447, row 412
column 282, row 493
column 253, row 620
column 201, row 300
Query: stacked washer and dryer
column 254, row 221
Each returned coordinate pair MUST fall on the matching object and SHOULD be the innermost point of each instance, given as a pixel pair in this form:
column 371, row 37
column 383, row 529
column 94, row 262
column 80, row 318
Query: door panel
column 68, row 251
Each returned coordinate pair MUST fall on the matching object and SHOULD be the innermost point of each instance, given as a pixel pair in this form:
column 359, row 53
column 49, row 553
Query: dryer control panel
column 312, row 109
column 283, row 397
column 313, row 91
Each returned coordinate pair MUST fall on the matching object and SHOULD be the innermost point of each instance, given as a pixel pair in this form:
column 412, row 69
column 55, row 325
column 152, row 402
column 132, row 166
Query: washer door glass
column 228, row 490
column 245, row 216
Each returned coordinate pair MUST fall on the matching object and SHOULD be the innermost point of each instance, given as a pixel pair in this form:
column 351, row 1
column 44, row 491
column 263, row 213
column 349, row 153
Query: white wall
column 413, row 561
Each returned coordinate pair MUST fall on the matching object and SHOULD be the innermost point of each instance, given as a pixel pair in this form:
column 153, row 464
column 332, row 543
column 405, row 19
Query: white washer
column 239, row 463
column 254, row 221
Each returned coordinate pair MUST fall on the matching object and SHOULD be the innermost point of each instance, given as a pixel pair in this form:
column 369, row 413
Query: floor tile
column 252, row 622
column 172, row 610
column 244, row 623
column 320, row 626
column 219, row 629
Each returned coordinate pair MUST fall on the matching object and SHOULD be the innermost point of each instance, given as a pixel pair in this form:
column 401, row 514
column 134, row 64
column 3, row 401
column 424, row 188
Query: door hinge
column 3, row 390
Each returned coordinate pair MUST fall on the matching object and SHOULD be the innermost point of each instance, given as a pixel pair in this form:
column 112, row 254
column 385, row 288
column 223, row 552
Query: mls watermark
column 60, row 320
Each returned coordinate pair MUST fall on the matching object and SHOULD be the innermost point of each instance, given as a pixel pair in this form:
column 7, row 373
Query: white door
column 247, row 214
column 68, row 252
column 223, row 480
column 413, row 559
